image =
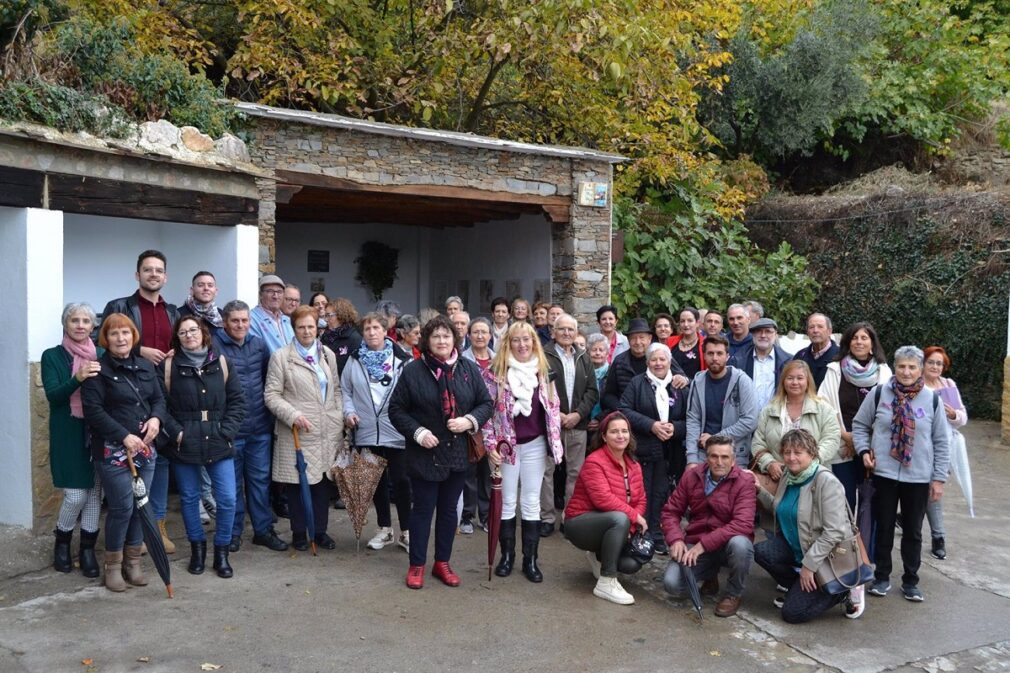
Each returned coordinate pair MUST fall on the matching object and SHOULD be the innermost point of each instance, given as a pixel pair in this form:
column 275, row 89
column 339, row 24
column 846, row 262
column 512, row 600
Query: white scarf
column 523, row 380
column 662, row 397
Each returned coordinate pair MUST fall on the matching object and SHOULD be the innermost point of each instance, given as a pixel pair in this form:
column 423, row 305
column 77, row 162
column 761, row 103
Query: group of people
column 673, row 432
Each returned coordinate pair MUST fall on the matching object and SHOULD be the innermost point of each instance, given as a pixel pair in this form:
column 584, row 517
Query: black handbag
column 639, row 548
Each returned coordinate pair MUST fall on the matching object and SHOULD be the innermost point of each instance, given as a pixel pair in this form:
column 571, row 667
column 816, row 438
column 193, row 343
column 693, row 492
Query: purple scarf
column 903, row 420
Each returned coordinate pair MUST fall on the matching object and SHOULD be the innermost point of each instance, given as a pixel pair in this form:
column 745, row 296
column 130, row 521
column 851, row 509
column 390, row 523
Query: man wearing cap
column 632, row 362
column 762, row 360
column 268, row 322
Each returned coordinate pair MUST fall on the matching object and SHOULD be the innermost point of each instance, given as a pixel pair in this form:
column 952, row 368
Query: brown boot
column 132, row 571
column 728, row 606
column 114, row 571
column 165, row 540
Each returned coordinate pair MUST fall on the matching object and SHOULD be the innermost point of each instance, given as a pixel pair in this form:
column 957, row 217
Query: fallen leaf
column 144, row 660
column 209, row 667
column 87, row 662
column 715, row 653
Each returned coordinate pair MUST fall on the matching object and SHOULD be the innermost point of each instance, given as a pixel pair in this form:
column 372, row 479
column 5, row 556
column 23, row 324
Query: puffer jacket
column 342, row 341
column 600, row 487
column 639, row 404
column 248, row 363
column 374, row 427
column 205, row 406
column 292, row 390
column 714, row 518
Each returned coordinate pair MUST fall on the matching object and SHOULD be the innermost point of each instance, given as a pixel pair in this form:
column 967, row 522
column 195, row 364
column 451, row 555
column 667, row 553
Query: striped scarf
column 903, row 420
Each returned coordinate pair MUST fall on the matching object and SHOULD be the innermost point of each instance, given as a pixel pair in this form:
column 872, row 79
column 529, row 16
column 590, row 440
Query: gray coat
column 374, row 427
column 739, row 415
column 871, row 431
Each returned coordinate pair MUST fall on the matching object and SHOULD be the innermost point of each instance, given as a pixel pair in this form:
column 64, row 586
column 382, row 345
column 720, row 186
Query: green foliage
column 60, row 107
column 377, row 265
column 24, row 17
column 677, row 255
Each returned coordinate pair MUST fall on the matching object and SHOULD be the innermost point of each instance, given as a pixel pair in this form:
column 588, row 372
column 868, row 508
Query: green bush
column 60, row 107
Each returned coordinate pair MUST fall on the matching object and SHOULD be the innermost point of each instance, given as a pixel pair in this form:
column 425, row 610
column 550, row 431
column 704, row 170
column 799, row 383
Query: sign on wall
column 319, row 261
column 593, row 194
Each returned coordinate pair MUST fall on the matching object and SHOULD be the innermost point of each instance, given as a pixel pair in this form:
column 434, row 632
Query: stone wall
column 46, row 499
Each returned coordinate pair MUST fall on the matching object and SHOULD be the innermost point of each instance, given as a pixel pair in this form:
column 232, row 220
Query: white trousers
column 529, row 472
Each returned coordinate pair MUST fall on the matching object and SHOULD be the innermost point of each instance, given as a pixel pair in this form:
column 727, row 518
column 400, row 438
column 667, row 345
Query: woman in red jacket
column 607, row 503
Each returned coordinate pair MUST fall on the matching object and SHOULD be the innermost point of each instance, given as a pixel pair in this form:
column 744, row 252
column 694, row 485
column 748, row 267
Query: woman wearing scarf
column 527, row 423
column 861, row 365
column 438, row 400
column 206, row 409
column 658, row 415
column 811, row 517
column 302, row 391
column 903, row 437
column 598, row 349
column 341, row 334
column 64, row 369
column 367, row 385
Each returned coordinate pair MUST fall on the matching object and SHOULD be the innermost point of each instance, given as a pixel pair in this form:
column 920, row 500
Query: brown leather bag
column 475, row 450
column 763, row 480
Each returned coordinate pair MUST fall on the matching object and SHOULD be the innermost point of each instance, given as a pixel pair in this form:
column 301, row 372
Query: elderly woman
column 688, row 346
column 598, row 349
column 794, row 406
column 607, row 504
column 367, row 386
column 64, row 369
column 901, row 433
column 811, row 517
column 206, row 409
column 124, row 407
column 861, row 365
column 500, row 313
column 453, row 305
column 617, row 343
column 658, row 415
column 541, row 324
column 302, row 391
column 526, row 425
column 438, row 400
column 408, row 335
column 477, row 490
column 341, row 334
column 937, row 364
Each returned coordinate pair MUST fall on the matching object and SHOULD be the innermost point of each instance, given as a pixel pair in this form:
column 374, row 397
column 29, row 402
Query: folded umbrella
column 864, row 513
column 493, row 517
column 961, row 470
column 152, row 536
column 692, row 588
column 306, row 493
column 357, row 473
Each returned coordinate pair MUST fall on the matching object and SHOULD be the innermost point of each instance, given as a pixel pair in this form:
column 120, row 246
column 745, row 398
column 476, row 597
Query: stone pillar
column 583, row 267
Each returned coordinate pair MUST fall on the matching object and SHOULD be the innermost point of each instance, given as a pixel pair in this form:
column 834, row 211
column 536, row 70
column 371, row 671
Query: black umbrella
column 303, row 484
column 152, row 536
column 692, row 588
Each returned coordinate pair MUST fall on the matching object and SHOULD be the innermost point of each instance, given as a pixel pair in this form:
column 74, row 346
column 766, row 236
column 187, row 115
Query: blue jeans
column 438, row 499
column 252, row 484
column 122, row 521
column 158, row 491
column 222, row 477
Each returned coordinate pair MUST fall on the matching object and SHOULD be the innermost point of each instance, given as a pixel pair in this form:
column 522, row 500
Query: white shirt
column 568, row 363
column 764, row 378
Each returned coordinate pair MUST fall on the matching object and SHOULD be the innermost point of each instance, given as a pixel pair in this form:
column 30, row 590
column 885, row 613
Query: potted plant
column 377, row 266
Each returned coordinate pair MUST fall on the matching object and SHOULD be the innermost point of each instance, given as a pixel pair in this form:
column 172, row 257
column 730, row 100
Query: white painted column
column 247, row 255
column 31, row 282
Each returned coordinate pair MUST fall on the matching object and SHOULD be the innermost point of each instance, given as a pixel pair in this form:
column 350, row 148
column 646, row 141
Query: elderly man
column 739, row 336
column 460, row 320
column 267, row 321
column 575, row 380
column 292, row 299
column 762, row 360
column 719, row 501
column 632, row 362
column 720, row 402
column 822, row 350
column 247, row 356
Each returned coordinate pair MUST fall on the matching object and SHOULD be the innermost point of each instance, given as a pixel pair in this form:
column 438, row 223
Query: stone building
column 469, row 215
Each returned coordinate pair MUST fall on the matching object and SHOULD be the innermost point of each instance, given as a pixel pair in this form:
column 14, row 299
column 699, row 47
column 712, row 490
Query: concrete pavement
column 349, row 611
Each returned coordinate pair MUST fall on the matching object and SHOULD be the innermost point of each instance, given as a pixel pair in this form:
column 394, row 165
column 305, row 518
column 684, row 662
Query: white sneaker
column 404, row 541
column 855, row 604
column 609, row 589
column 594, row 564
column 204, row 516
column 381, row 539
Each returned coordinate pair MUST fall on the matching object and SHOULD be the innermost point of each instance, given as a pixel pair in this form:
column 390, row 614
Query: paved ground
column 349, row 611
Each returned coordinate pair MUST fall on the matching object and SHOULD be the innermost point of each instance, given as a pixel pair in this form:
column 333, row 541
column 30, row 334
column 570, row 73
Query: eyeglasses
column 192, row 331
column 327, row 316
column 273, row 292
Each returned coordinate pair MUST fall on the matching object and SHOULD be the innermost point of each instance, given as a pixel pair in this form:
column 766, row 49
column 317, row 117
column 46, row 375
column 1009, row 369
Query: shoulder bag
column 847, row 566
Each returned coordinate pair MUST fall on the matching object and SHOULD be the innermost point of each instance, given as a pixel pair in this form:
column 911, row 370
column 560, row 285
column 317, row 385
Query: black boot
column 198, row 559
column 939, row 549
column 221, row 561
column 507, row 541
column 61, row 552
column 531, row 543
column 89, row 564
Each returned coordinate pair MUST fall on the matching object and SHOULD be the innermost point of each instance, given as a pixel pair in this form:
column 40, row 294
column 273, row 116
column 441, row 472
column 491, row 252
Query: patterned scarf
column 903, row 420
column 80, row 352
column 861, row 376
column 377, row 362
column 206, row 312
column 443, row 370
column 801, row 478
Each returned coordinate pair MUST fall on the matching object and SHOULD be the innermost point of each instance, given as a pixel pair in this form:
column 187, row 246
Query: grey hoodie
column 739, row 415
column 374, row 427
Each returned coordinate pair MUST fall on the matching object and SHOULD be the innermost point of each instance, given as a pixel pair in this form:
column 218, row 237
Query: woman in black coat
column 125, row 411
column 206, row 408
column 437, row 401
column 657, row 412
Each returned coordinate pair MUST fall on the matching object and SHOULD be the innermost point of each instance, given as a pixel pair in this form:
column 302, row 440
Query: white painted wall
column 101, row 258
column 499, row 251
column 31, row 284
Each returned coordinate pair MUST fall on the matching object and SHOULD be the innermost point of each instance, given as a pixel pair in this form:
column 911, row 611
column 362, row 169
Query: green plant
column 61, row 107
column 377, row 265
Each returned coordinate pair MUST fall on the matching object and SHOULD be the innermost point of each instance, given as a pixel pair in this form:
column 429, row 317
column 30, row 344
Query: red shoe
column 442, row 571
column 415, row 577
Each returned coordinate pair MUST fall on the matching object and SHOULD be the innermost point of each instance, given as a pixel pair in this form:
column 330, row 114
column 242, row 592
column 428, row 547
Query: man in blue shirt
column 267, row 321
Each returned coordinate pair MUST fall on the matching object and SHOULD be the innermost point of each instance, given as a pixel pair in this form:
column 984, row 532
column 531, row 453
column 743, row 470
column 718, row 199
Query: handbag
column 847, row 566
column 763, row 480
column 475, row 450
column 639, row 548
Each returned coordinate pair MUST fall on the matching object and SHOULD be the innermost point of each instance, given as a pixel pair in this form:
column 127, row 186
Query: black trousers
column 438, row 499
column 913, row 498
column 320, row 506
column 393, row 485
column 657, row 490
column 776, row 556
column 477, row 491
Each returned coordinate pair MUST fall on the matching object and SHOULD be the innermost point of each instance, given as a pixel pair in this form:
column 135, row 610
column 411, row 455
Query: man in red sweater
column 719, row 500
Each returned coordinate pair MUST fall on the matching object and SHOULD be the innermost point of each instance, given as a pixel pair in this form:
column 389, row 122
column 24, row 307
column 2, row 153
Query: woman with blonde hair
column 526, row 424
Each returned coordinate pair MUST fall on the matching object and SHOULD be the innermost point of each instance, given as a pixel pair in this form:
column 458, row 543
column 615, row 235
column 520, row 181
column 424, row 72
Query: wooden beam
column 558, row 214
column 443, row 191
column 21, row 188
column 117, row 198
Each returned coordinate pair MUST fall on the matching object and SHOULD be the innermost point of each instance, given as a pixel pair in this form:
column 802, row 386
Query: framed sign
column 594, row 194
column 319, row 261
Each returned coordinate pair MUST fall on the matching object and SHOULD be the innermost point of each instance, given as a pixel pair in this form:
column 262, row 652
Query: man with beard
column 762, row 360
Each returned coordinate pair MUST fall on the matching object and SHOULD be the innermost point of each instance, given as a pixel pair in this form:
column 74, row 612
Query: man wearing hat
column 631, row 363
column 762, row 360
column 267, row 321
